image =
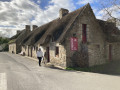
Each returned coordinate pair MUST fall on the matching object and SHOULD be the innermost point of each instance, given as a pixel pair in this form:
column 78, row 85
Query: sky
column 15, row 14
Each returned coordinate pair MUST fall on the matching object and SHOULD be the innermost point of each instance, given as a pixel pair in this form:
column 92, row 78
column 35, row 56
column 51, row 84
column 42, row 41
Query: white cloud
column 85, row 1
column 18, row 13
column 38, row 1
column 52, row 11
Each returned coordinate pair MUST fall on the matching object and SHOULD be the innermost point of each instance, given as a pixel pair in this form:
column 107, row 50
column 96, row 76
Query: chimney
column 34, row 27
column 27, row 27
column 18, row 31
column 63, row 12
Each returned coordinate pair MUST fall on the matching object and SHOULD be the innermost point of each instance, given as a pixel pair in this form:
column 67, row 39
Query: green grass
column 112, row 68
column 97, row 68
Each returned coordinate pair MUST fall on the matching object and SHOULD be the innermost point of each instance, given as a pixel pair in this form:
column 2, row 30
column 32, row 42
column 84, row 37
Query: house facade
column 75, row 39
column 15, row 42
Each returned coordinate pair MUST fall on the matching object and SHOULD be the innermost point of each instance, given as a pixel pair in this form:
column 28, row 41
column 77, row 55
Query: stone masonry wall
column 77, row 58
column 93, row 51
column 12, row 48
column 115, row 51
column 96, row 40
column 59, row 60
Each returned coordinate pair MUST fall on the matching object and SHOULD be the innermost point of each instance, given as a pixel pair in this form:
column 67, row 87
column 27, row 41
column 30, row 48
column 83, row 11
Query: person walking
column 39, row 55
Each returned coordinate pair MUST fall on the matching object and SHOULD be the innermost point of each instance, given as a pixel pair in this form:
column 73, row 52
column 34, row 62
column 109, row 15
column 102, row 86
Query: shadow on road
column 111, row 68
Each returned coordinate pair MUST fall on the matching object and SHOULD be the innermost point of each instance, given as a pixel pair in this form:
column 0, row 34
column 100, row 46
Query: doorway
column 31, row 51
column 110, row 52
column 28, row 50
column 48, row 54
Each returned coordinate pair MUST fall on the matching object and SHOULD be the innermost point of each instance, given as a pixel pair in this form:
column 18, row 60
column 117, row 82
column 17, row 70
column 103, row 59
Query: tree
column 4, row 43
column 111, row 10
column 110, row 7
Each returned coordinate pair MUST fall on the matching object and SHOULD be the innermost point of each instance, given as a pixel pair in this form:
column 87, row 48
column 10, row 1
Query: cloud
column 85, row 1
column 38, row 1
column 18, row 13
column 52, row 11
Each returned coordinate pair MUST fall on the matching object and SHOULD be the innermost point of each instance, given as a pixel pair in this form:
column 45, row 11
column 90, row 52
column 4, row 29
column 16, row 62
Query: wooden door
column 110, row 52
column 31, row 51
column 48, row 54
column 28, row 50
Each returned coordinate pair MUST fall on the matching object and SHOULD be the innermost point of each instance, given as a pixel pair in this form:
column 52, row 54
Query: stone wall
column 12, row 48
column 96, row 54
column 27, row 50
column 59, row 60
column 77, row 58
column 115, row 51
column 95, row 38
column 34, row 55
column 93, row 51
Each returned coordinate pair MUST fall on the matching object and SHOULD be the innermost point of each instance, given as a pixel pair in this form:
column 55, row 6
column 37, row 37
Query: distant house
column 15, row 42
column 75, row 39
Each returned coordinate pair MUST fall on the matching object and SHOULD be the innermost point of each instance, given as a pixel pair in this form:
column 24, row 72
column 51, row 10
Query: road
column 21, row 73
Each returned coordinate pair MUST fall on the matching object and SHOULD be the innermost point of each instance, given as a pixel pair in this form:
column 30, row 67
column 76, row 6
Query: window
column 84, row 33
column 57, row 51
column 98, row 46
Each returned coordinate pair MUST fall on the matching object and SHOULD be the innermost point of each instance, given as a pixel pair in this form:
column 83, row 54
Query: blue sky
column 15, row 14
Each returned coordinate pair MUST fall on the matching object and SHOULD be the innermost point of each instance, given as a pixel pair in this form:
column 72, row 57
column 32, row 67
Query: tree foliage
column 4, row 43
column 111, row 8
column 3, row 40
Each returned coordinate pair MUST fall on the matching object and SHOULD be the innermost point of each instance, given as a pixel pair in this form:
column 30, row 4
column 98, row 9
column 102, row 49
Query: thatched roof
column 59, row 28
column 15, row 36
column 110, row 30
column 19, row 37
column 36, row 34
column 54, row 29
column 22, row 36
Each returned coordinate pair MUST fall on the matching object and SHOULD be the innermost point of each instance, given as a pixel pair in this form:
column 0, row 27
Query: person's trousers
column 39, row 58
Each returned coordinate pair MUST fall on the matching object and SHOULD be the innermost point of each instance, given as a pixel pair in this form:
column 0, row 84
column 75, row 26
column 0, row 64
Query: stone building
column 15, row 42
column 75, row 39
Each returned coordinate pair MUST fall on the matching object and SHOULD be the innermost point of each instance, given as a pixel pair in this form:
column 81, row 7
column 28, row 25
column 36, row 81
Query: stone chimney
column 18, row 31
column 34, row 27
column 27, row 27
column 63, row 12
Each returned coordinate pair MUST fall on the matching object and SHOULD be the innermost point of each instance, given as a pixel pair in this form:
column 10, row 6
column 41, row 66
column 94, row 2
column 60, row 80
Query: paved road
column 21, row 73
